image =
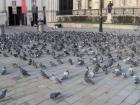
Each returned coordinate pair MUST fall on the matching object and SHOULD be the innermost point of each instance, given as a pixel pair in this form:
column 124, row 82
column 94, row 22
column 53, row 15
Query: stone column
column 95, row 4
column 84, row 4
column 52, row 7
column 1, row 6
column 75, row 4
column 138, row 3
column 3, row 16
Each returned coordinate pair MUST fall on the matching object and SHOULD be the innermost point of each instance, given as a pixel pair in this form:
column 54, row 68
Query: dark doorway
column 16, row 19
column 65, row 7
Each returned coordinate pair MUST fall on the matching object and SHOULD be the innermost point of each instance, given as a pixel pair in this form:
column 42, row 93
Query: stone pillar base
column 109, row 18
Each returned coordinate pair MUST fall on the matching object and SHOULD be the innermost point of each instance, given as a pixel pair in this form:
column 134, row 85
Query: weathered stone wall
column 117, row 3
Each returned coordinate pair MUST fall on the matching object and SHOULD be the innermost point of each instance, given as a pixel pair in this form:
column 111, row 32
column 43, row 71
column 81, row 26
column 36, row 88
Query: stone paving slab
column 133, row 98
column 117, row 100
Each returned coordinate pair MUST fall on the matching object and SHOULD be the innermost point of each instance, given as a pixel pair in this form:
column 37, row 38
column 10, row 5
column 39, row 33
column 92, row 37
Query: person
column 31, row 21
column 34, row 14
column 109, row 6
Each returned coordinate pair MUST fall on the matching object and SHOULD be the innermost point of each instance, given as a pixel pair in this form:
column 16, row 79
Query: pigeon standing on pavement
column 87, row 78
column 3, row 94
column 65, row 75
column 4, row 71
column 24, row 72
column 44, row 74
column 55, row 95
column 70, row 61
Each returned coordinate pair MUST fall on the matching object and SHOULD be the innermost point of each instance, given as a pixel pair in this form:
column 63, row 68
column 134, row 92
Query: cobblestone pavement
column 35, row 90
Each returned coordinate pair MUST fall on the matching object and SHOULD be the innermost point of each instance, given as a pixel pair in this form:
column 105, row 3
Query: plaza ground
column 35, row 90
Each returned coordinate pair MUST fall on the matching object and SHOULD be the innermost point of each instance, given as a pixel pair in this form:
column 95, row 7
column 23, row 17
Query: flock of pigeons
column 103, row 51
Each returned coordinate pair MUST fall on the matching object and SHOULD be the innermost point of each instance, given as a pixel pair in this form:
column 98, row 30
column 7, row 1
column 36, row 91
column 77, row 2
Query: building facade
column 48, row 10
column 94, row 4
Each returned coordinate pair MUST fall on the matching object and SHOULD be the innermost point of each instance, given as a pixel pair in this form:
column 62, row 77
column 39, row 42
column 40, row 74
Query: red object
column 23, row 6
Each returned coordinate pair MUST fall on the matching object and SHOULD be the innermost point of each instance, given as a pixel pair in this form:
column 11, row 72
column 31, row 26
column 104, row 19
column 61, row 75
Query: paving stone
column 100, row 100
column 133, row 98
column 124, row 93
column 117, row 100
column 124, row 103
column 72, row 99
column 84, row 100
column 48, row 102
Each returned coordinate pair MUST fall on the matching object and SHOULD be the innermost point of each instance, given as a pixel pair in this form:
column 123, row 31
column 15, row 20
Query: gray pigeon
column 3, row 94
column 44, row 74
column 24, row 72
column 55, row 95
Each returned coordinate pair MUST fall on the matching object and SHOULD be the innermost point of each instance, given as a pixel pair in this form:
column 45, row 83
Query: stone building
column 120, row 7
column 48, row 10
column 94, row 4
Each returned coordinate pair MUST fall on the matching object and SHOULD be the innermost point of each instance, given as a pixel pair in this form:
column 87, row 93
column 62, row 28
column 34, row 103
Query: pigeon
column 91, row 74
column 3, row 94
column 119, row 67
column 44, row 74
column 80, row 62
column 104, row 68
column 24, row 72
column 5, row 55
column 30, row 62
column 55, row 95
column 131, row 72
column 4, row 71
column 87, row 78
column 65, row 76
column 59, row 61
column 124, row 75
column 117, row 72
column 52, row 64
column 136, row 79
column 42, row 66
column 97, row 67
column 15, row 65
column 70, row 61
column 58, row 81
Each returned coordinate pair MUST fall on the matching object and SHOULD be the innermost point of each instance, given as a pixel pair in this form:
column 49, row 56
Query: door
column 16, row 19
